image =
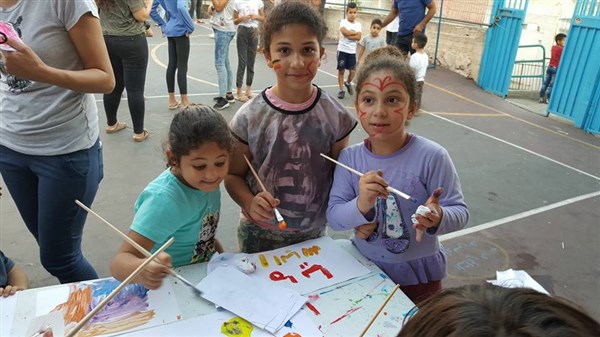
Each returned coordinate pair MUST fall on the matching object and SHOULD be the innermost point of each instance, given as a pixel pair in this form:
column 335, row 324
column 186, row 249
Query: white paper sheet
column 516, row 279
column 7, row 311
column 264, row 304
column 305, row 267
column 211, row 325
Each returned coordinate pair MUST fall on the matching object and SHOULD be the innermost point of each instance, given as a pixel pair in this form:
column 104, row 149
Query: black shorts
column 346, row 61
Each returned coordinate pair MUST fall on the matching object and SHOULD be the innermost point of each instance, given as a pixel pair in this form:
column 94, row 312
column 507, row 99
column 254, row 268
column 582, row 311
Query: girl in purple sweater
column 390, row 156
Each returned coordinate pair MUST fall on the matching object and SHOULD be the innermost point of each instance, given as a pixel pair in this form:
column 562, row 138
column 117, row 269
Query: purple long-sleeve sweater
column 417, row 169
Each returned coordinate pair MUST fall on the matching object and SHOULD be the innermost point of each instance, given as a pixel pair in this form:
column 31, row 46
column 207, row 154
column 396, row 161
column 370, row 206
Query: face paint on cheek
column 361, row 114
column 310, row 65
column 276, row 64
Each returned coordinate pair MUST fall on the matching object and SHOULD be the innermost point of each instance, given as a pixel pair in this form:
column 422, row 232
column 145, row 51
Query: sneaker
column 541, row 100
column 349, row 88
column 229, row 97
column 221, row 104
column 341, row 94
column 546, row 100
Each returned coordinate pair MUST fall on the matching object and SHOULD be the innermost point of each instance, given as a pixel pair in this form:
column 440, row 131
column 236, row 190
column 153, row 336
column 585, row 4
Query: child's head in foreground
column 385, row 99
column 199, row 146
column 492, row 311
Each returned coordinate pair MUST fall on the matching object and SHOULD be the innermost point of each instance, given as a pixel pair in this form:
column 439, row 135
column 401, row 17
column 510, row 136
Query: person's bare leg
column 185, row 101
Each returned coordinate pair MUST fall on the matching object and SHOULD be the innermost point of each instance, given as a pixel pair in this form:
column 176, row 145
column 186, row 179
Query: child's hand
column 370, row 186
column 261, row 208
column 10, row 290
column 364, row 231
column 432, row 218
column 154, row 273
column 23, row 63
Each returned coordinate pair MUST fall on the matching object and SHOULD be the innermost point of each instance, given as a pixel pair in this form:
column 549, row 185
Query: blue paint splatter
column 288, row 324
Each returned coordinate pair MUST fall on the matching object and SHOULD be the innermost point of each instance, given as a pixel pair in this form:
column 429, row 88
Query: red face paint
column 387, row 81
column 276, row 65
column 309, row 66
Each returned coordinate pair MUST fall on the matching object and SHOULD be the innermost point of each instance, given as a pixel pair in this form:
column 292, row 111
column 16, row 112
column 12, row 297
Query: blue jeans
column 222, row 41
column 548, row 81
column 44, row 189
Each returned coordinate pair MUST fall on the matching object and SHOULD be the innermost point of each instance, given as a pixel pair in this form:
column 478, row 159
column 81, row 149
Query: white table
column 343, row 310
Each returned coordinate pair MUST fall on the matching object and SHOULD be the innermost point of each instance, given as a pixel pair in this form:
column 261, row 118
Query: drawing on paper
column 127, row 310
column 237, row 327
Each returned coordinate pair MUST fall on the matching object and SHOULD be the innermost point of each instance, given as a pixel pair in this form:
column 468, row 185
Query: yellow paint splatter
column 236, row 327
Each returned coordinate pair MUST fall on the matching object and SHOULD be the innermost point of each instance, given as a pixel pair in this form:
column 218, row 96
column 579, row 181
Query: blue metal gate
column 501, row 43
column 576, row 91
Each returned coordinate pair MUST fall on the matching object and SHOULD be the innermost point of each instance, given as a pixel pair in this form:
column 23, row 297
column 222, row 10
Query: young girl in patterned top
column 282, row 131
column 385, row 231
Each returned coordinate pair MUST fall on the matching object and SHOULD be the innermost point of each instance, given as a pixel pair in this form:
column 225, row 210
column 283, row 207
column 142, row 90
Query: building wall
column 460, row 45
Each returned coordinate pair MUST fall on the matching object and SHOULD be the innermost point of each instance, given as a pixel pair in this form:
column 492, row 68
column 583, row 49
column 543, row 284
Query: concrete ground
column 532, row 183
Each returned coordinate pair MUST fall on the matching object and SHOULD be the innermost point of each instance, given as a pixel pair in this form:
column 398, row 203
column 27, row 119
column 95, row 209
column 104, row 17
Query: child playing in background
column 182, row 202
column 350, row 33
column 419, row 62
column 371, row 41
column 12, row 277
column 390, row 156
column 555, row 55
column 282, row 131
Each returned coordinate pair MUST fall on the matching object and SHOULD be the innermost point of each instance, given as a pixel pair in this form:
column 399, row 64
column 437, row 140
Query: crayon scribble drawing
column 131, row 308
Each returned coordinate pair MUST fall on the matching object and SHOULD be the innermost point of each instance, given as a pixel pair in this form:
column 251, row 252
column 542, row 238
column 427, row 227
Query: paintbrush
column 389, row 188
column 282, row 223
column 118, row 289
column 387, row 299
column 138, row 247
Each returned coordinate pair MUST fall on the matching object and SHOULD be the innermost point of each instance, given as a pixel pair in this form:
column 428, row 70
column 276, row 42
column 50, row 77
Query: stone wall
column 460, row 45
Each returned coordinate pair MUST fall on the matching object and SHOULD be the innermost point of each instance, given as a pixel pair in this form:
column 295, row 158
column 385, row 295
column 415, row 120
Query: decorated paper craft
column 134, row 307
column 262, row 303
column 7, row 31
column 226, row 324
column 305, row 267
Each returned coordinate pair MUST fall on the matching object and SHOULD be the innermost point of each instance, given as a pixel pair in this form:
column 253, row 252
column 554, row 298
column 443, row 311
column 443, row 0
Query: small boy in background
column 371, row 41
column 555, row 54
column 419, row 61
column 350, row 33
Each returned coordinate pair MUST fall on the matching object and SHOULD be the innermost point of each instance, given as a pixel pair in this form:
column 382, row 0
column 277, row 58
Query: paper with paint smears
column 134, row 307
column 262, row 303
column 212, row 325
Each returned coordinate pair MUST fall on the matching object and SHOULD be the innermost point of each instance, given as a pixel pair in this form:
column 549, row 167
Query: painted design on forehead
column 276, row 64
column 387, row 81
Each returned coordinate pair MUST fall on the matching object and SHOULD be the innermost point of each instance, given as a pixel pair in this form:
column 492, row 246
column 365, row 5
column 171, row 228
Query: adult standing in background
column 222, row 24
column 123, row 26
column 411, row 20
column 247, row 15
column 178, row 28
column 50, row 153
column 391, row 32
column 196, row 6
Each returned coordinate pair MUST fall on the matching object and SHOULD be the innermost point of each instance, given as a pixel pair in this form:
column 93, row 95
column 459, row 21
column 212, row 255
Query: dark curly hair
column 289, row 13
column 390, row 60
column 491, row 311
column 195, row 125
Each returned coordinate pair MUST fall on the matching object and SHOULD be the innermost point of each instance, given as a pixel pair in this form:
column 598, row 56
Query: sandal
column 173, row 107
column 140, row 137
column 118, row 126
column 242, row 98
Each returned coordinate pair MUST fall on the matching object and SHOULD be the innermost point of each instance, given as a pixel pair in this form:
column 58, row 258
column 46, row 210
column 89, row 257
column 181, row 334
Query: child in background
column 247, row 15
column 371, row 41
column 282, row 131
column 419, row 61
column 182, row 202
column 350, row 33
column 555, row 55
column 390, row 156
column 489, row 311
column 12, row 277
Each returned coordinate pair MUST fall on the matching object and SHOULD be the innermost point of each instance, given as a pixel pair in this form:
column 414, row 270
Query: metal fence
column 528, row 73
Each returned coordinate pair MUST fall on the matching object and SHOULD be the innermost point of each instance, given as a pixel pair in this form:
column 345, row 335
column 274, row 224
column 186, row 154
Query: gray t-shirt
column 371, row 43
column 39, row 118
column 118, row 20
